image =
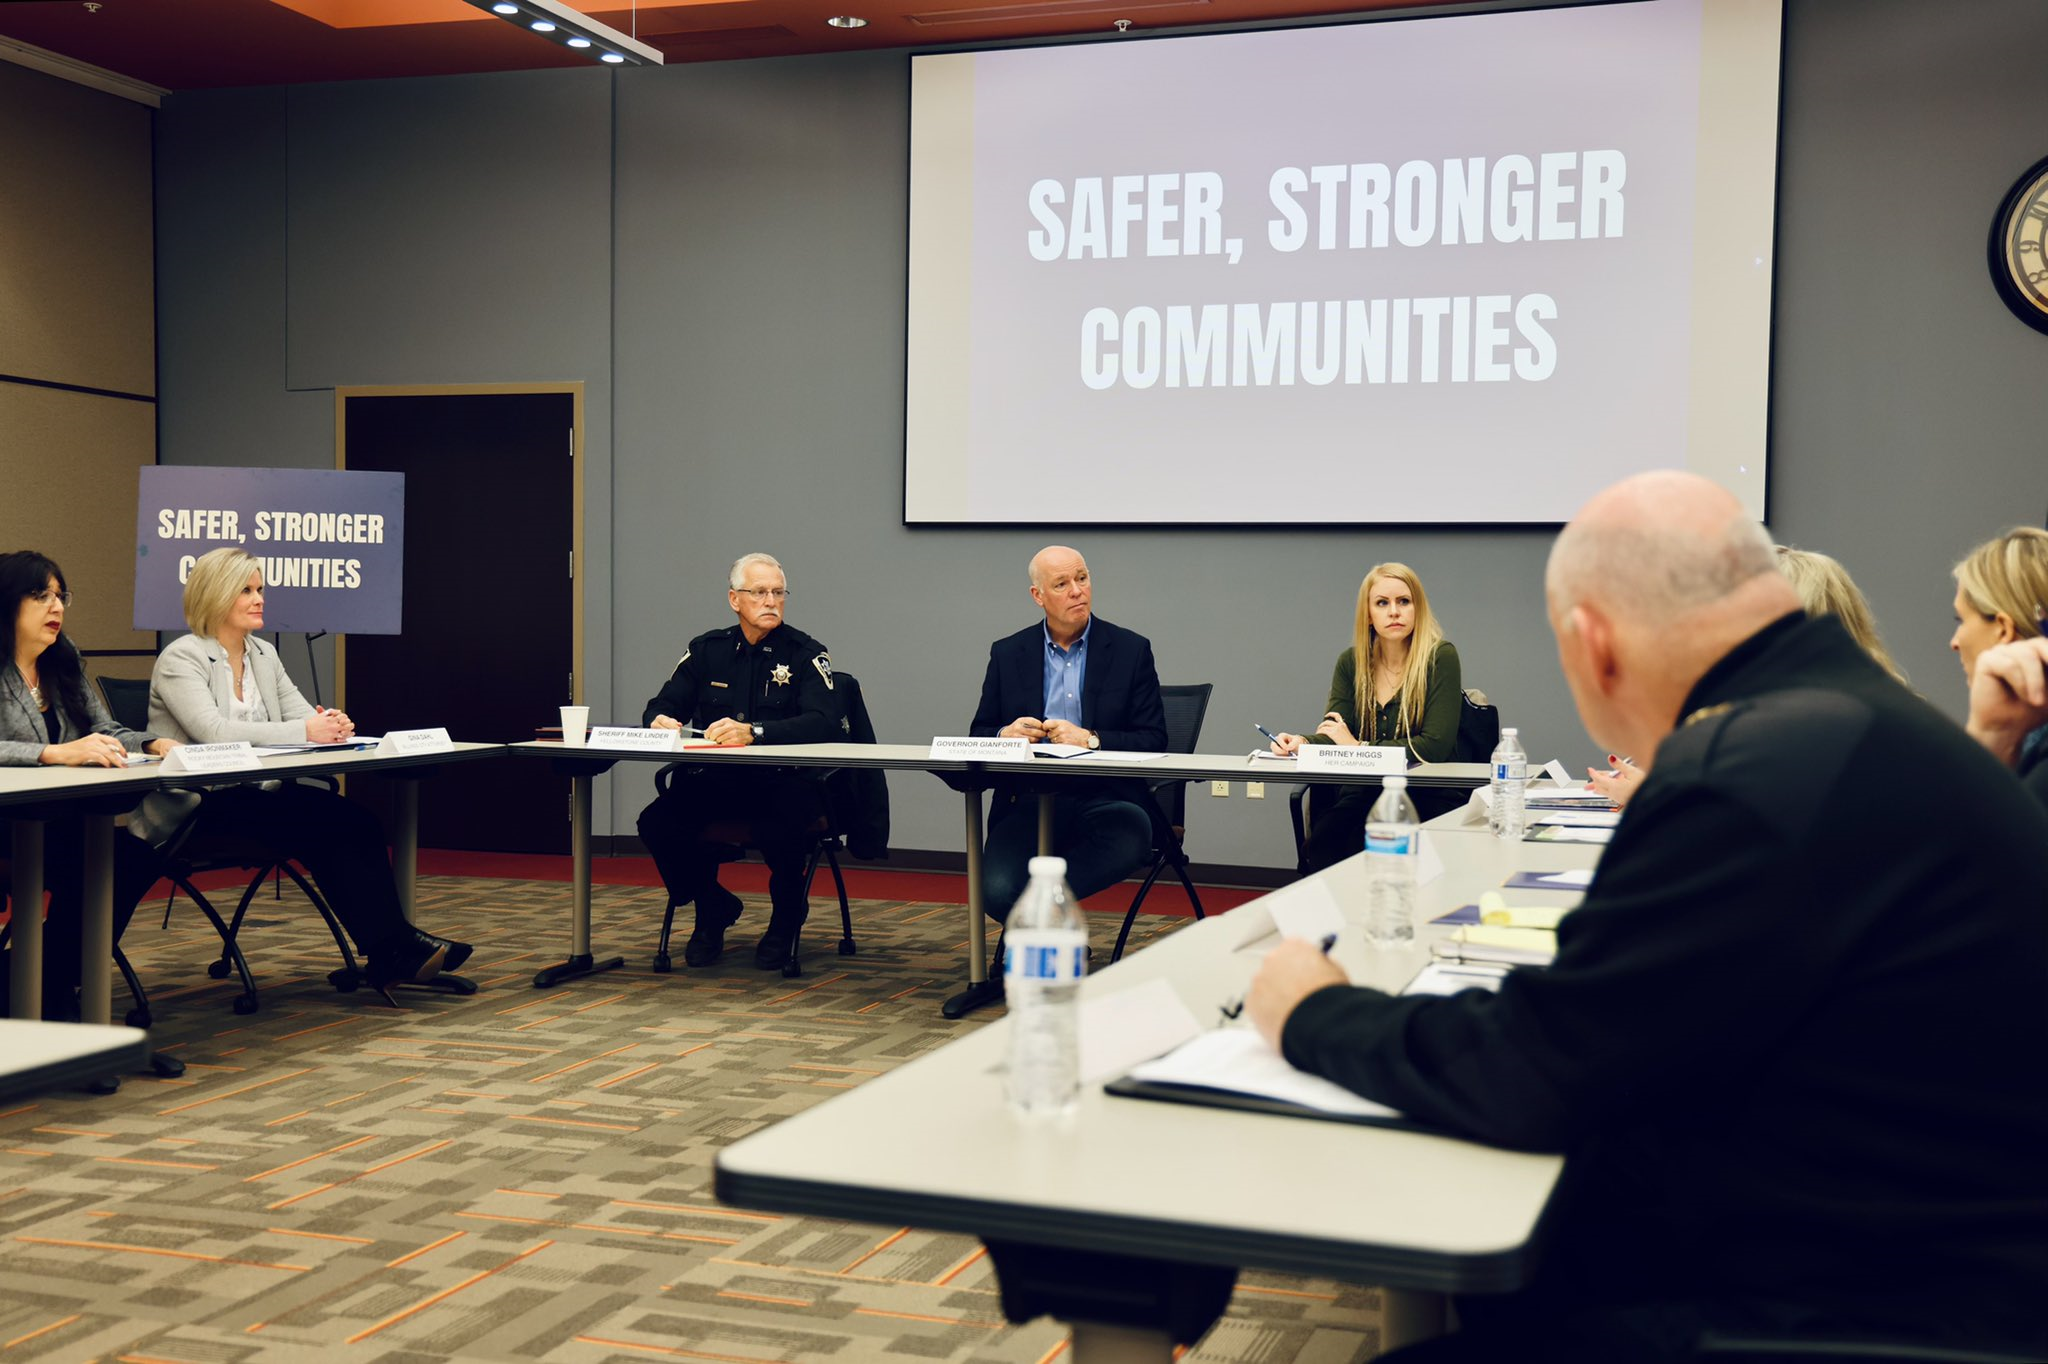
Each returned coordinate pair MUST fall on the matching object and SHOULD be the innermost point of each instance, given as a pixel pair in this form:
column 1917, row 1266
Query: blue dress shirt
column 1066, row 670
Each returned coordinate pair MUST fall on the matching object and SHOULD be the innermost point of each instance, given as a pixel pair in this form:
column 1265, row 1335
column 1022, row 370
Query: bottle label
column 1387, row 841
column 1510, row 771
column 1045, row 955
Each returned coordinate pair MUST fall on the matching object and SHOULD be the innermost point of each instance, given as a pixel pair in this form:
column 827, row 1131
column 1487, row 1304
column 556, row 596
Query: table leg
column 1045, row 824
column 405, row 843
column 580, row 962
column 25, row 975
column 1097, row 1342
column 96, row 933
column 1408, row 1316
column 1123, row 1309
column 980, row 989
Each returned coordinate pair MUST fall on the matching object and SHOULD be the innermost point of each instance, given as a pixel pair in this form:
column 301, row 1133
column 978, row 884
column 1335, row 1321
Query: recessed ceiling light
column 612, row 57
column 579, row 42
column 847, row 21
column 502, row 8
column 543, row 26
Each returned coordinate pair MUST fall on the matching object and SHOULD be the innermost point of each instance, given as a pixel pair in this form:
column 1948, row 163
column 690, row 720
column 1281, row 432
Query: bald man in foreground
column 1071, row 679
column 1795, row 1041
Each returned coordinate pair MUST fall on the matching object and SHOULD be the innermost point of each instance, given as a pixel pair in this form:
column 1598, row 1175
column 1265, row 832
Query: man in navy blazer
column 1074, row 678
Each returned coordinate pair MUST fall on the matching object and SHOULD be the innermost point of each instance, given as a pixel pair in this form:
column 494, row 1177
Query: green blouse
column 1437, row 737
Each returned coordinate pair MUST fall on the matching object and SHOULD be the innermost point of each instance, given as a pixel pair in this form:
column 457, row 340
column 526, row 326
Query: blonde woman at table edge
column 1398, row 683
column 223, row 683
column 1825, row 589
column 50, row 716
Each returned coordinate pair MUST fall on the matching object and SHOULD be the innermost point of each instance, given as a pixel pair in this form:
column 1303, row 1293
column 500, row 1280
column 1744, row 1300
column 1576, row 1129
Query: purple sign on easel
column 331, row 543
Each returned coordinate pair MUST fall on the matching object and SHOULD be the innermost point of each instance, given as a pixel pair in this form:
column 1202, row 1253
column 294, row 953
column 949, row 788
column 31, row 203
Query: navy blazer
column 1119, row 697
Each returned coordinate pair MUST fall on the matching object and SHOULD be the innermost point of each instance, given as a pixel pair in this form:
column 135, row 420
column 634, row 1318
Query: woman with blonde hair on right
column 1398, row 683
column 2001, row 610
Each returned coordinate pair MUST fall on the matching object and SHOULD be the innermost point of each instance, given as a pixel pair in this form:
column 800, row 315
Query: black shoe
column 418, row 957
column 457, row 952
column 717, row 910
column 774, row 948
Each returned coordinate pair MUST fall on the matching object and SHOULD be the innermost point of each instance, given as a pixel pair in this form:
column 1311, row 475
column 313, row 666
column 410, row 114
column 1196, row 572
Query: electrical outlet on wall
column 1255, row 790
column 1219, row 788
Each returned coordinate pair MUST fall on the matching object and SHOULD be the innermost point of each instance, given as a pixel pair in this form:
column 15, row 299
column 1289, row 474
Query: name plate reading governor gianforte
column 981, row 750
column 1363, row 759
column 234, row 757
column 634, row 739
column 405, row 742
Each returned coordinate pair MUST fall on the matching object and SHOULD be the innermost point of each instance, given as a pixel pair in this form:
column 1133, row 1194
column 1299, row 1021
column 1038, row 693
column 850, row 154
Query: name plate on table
column 405, row 742
column 981, row 750
column 637, row 740
column 1364, row 759
column 234, row 757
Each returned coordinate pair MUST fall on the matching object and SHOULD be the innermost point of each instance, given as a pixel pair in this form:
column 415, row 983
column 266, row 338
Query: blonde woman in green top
column 1398, row 683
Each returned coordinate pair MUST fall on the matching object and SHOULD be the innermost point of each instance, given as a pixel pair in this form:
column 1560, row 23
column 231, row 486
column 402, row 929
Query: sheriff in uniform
column 759, row 681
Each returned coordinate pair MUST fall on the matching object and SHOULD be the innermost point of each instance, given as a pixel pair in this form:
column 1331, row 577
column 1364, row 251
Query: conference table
column 29, row 796
column 37, row 1056
column 971, row 777
column 1130, row 1219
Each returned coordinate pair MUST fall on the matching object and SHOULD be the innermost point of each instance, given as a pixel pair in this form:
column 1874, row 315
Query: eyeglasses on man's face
column 764, row 593
column 46, row 596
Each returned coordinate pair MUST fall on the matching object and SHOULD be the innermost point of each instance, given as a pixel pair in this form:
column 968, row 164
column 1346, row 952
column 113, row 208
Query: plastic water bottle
column 1392, row 832
column 1507, row 814
column 1045, row 954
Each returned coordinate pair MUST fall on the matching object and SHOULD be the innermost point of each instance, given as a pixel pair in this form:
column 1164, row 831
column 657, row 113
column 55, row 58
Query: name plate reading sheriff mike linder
column 635, row 740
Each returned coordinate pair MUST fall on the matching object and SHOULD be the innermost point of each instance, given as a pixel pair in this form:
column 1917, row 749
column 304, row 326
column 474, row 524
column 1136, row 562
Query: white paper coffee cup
column 575, row 724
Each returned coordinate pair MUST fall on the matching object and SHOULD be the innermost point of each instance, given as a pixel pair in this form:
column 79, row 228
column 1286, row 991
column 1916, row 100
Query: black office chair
column 128, row 702
column 855, row 820
column 1478, row 735
column 1185, row 706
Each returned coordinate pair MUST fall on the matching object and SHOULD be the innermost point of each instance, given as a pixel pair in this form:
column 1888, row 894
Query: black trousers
column 136, row 868
column 779, row 809
column 338, row 841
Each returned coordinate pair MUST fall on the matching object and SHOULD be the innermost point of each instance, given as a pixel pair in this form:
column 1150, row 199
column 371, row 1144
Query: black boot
column 417, row 957
column 717, row 910
column 773, row 951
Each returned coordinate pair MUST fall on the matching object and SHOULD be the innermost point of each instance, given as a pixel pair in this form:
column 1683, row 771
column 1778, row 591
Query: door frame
column 574, row 388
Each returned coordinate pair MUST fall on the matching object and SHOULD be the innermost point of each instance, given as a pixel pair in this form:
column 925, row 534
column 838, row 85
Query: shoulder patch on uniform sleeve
column 684, row 659
column 823, row 663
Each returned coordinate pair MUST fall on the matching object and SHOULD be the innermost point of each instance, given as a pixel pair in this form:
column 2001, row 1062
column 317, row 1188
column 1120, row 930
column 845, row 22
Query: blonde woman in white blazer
column 223, row 683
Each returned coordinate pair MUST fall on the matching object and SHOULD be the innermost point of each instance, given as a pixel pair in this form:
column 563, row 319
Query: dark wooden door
column 487, row 648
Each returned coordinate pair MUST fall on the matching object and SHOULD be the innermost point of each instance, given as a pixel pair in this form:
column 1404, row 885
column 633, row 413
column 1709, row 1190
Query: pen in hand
column 1235, row 1007
column 1267, row 732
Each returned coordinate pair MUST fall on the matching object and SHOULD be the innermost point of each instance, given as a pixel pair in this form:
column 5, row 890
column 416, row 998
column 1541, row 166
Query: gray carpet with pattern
column 517, row 1175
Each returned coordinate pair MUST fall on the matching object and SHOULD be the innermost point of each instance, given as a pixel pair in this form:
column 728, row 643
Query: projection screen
column 1461, row 269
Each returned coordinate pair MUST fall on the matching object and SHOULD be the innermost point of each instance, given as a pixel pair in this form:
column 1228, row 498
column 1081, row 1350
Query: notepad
column 1450, row 978
column 1496, row 943
column 1236, row 1064
column 1575, row 878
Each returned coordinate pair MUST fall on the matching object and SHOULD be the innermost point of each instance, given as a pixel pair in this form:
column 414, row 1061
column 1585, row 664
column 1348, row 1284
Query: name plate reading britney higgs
column 234, row 757
column 405, row 742
column 981, row 750
column 1363, row 759
column 635, row 740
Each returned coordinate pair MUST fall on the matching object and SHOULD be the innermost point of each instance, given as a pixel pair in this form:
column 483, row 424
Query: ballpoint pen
column 1236, row 1006
column 1267, row 732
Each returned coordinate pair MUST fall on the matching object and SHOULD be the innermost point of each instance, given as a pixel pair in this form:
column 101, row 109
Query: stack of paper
column 1496, row 943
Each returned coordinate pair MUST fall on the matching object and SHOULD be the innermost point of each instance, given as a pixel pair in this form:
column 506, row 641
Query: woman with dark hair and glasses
column 50, row 716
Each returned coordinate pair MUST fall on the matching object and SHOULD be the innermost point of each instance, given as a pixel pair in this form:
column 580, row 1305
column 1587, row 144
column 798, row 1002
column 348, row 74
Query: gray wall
column 717, row 249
